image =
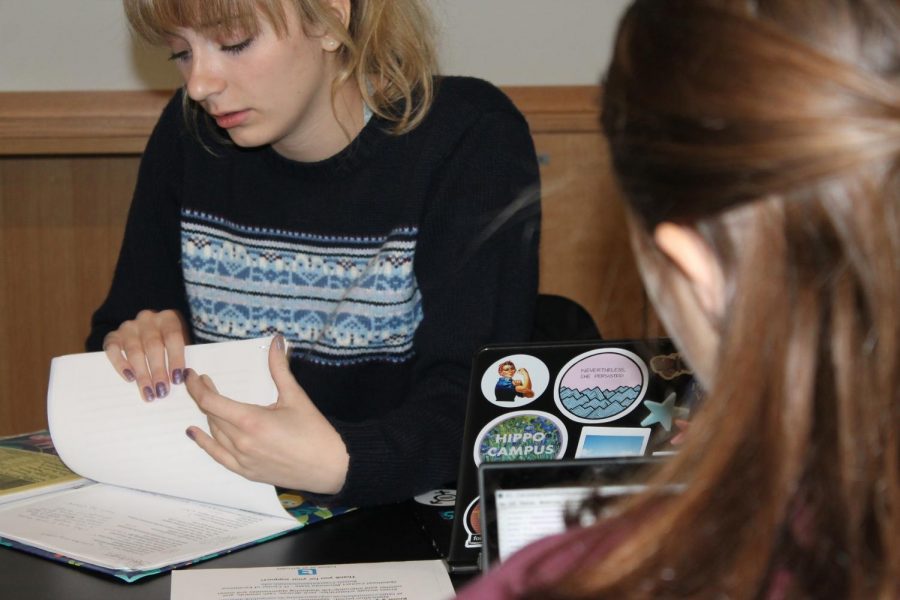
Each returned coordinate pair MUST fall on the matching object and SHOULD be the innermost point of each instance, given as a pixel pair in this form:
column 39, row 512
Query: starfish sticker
column 664, row 413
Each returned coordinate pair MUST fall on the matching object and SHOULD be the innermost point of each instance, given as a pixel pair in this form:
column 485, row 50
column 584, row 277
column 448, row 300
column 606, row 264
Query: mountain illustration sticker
column 600, row 386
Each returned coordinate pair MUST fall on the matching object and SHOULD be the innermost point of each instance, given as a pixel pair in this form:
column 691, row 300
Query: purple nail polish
column 129, row 374
column 148, row 394
column 189, row 433
column 177, row 376
column 162, row 390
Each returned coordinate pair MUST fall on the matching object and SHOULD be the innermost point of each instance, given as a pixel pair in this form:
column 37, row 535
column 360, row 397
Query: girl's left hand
column 289, row 443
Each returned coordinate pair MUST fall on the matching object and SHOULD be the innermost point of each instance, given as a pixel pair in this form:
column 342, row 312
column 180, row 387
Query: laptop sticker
column 669, row 366
column 601, row 385
column 521, row 435
column 515, row 380
column 665, row 413
column 609, row 442
column 439, row 497
column 472, row 524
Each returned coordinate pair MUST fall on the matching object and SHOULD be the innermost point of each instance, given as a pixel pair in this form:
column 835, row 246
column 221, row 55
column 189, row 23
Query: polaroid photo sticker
column 472, row 524
column 610, row 442
column 515, row 380
column 521, row 435
column 601, row 385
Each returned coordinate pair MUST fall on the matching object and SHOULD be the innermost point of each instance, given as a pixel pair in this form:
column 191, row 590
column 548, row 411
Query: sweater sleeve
column 148, row 272
column 476, row 264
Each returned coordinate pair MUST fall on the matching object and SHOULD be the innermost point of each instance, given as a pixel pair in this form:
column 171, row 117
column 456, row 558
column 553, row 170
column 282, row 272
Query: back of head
column 771, row 127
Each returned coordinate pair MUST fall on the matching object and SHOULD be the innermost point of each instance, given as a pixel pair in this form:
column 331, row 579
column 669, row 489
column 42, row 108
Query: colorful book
column 159, row 501
column 29, row 466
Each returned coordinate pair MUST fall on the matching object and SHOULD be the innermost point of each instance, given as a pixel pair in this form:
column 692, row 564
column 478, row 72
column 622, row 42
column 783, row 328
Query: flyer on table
column 420, row 579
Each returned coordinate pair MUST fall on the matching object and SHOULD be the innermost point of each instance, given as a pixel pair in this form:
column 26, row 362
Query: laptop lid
column 565, row 400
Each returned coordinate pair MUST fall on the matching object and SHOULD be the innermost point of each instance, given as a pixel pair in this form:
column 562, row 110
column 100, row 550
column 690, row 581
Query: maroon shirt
column 541, row 563
column 553, row 558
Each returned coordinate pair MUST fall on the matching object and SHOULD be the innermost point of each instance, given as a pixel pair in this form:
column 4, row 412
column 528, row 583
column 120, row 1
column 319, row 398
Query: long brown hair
column 772, row 127
column 387, row 48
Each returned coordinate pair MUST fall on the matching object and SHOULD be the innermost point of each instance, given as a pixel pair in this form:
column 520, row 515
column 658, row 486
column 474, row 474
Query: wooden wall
column 68, row 163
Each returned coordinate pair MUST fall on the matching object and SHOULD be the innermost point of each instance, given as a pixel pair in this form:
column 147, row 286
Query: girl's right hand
column 149, row 350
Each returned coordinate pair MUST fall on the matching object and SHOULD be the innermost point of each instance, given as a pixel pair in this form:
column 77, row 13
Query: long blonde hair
column 387, row 48
column 772, row 127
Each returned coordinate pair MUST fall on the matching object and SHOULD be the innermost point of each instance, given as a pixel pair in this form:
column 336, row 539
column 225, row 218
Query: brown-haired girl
column 314, row 179
column 757, row 144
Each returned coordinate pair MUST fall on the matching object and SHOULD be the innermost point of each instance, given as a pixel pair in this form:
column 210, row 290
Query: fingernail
column 129, row 374
column 279, row 342
column 162, row 390
column 148, row 393
column 189, row 433
column 188, row 373
column 177, row 376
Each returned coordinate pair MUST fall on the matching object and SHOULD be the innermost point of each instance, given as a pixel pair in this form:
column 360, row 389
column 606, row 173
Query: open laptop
column 542, row 402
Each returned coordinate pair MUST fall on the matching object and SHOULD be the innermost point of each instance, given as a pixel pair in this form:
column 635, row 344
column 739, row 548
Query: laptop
column 542, row 402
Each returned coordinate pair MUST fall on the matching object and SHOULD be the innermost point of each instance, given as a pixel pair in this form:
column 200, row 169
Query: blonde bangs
column 153, row 20
column 387, row 49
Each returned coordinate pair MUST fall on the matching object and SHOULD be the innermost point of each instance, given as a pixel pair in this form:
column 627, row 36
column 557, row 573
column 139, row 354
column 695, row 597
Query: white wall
column 84, row 44
column 527, row 42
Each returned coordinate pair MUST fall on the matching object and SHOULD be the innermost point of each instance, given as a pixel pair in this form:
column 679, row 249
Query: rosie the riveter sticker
column 602, row 385
column 515, row 380
column 521, row 435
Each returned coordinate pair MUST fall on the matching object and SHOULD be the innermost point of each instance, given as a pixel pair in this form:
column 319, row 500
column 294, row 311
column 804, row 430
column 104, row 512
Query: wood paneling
column 66, row 123
column 68, row 163
column 61, row 222
column 585, row 252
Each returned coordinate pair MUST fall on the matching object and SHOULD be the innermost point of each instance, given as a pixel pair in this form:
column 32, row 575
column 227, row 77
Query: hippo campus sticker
column 602, row 385
column 521, row 435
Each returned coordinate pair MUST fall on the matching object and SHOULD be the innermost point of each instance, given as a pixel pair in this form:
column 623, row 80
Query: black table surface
column 374, row 534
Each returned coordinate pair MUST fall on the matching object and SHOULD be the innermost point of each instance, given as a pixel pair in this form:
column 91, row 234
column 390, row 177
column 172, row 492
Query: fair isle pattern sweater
column 385, row 266
column 360, row 299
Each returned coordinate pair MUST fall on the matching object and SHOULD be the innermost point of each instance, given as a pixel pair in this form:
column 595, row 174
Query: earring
column 331, row 44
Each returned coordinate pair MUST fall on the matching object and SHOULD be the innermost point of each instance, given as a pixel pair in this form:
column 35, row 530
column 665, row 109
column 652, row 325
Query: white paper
column 124, row 529
column 161, row 499
column 421, row 580
column 104, row 431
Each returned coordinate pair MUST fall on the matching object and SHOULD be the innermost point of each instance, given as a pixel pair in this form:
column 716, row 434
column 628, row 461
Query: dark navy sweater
column 385, row 267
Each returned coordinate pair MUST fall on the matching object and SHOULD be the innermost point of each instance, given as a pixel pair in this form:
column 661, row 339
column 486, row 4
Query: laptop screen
column 524, row 502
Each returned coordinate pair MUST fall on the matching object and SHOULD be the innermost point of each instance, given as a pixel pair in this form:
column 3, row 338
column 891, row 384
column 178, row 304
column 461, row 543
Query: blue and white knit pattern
column 337, row 300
